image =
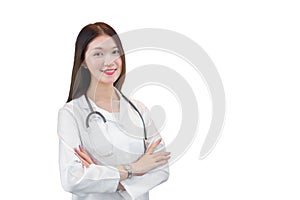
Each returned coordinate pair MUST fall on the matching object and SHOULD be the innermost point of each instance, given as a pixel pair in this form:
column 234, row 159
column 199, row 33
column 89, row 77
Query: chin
column 104, row 82
column 107, row 81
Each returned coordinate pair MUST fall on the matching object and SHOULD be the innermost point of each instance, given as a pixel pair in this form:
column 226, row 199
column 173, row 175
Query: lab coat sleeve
column 139, row 185
column 75, row 178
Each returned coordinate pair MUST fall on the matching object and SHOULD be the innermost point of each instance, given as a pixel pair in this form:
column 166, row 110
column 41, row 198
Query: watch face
column 128, row 168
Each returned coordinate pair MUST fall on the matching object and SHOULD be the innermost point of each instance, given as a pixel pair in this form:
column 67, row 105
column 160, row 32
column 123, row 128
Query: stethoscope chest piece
column 87, row 120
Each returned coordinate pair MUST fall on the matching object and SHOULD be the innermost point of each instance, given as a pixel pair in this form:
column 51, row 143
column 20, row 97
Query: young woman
column 98, row 157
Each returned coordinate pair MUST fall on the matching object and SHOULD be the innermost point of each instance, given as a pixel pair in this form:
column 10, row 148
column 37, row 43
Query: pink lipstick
column 109, row 72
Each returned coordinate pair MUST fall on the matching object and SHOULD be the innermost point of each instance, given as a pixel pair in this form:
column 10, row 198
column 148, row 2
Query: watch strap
column 129, row 171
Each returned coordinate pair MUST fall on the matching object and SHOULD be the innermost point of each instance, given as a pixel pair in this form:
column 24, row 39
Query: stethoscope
column 104, row 119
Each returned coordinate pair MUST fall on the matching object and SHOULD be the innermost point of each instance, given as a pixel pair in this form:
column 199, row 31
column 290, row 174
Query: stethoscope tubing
column 104, row 119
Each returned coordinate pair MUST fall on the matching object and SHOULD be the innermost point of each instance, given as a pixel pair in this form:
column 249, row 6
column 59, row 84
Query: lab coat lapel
column 85, row 106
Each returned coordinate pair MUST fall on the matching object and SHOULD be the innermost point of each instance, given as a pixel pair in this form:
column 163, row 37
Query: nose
column 108, row 61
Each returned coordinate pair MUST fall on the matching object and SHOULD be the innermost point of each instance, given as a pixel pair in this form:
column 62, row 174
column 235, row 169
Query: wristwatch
column 129, row 171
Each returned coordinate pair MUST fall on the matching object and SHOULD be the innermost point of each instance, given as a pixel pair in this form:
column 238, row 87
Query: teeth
column 107, row 70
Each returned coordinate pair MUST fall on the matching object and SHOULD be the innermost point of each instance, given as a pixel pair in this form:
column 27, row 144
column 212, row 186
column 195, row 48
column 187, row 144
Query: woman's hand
column 120, row 187
column 150, row 160
column 85, row 158
column 86, row 161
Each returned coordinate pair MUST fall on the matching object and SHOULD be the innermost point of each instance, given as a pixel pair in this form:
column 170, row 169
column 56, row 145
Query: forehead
column 103, row 41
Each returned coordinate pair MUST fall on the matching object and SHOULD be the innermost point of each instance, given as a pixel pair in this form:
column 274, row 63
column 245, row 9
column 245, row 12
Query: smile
column 108, row 71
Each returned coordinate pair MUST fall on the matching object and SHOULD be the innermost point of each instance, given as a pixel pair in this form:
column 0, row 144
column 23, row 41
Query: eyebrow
column 100, row 48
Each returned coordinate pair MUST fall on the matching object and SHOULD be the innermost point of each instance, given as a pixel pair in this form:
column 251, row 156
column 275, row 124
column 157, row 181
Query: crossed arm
column 144, row 164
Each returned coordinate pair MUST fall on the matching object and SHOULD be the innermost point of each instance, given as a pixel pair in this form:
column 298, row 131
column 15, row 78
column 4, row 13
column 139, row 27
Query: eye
column 98, row 54
column 116, row 52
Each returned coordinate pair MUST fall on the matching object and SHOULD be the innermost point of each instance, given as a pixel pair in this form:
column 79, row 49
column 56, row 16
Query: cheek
column 94, row 63
column 118, row 62
column 97, row 64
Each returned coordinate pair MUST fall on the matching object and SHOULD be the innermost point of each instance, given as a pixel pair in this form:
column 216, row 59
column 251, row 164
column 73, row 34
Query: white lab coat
column 100, row 180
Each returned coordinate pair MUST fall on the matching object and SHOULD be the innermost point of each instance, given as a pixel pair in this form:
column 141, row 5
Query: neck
column 100, row 92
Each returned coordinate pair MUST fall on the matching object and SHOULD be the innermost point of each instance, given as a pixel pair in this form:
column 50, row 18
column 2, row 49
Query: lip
column 109, row 72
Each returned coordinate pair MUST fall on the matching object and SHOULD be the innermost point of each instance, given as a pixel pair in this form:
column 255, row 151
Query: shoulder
column 141, row 106
column 138, row 103
column 70, row 106
column 143, row 109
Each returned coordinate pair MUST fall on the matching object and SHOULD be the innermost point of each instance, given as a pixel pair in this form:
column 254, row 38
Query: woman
column 99, row 158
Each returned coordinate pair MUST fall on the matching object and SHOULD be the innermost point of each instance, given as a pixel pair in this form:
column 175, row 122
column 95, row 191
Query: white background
column 254, row 45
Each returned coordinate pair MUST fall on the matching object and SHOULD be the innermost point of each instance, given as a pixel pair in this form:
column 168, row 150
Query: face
column 102, row 58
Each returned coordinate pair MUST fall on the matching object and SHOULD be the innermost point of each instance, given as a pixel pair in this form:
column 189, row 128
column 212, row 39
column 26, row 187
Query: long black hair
column 81, row 77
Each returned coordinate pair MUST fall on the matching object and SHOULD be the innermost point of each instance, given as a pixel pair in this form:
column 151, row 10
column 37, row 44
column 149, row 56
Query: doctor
column 99, row 156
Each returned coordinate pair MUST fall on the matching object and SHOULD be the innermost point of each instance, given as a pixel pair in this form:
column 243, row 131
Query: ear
column 84, row 65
